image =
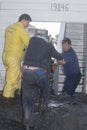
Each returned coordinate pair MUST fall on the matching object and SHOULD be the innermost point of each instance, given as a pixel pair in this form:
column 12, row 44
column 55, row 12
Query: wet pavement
column 11, row 115
column 62, row 114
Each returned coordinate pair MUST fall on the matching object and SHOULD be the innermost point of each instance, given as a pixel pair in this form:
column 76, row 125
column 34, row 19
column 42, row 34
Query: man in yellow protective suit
column 16, row 39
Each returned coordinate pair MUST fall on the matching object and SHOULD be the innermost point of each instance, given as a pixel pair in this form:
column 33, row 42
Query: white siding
column 45, row 10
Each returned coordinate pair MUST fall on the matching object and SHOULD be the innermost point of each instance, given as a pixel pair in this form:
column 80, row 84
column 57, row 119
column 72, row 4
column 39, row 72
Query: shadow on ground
column 62, row 114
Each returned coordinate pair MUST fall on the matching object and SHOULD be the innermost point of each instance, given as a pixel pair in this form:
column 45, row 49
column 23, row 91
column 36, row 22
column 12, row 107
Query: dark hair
column 66, row 40
column 24, row 16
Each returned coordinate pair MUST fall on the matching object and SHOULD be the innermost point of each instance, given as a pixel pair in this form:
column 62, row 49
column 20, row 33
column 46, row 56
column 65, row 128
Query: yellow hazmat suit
column 16, row 39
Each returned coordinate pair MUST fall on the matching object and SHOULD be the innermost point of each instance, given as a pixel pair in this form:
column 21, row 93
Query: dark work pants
column 71, row 82
column 33, row 83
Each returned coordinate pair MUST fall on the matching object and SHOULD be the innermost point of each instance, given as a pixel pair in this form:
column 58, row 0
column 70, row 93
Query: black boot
column 8, row 101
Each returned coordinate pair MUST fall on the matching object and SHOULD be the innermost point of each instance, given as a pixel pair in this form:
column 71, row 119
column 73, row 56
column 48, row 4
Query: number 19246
column 60, row 7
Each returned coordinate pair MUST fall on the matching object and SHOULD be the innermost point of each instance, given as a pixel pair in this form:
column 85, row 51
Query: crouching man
column 35, row 76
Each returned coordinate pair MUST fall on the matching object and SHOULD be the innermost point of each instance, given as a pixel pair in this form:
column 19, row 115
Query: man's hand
column 61, row 62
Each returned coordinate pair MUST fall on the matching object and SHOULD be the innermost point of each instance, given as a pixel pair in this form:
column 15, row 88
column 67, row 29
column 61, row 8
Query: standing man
column 35, row 77
column 16, row 39
column 71, row 68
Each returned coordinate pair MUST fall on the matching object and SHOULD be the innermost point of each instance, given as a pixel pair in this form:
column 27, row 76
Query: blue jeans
column 34, row 83
column 71, row 82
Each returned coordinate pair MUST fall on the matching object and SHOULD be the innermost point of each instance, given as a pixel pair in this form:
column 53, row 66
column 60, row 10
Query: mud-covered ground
column 62, row 114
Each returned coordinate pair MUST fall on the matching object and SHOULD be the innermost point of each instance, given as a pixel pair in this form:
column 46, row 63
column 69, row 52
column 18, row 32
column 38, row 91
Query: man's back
column 39, row 52
column 16, row 37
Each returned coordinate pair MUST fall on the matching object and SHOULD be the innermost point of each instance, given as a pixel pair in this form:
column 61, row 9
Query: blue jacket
column 72, row 65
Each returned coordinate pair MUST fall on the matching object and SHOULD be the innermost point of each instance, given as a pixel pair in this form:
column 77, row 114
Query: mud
column 62, row 114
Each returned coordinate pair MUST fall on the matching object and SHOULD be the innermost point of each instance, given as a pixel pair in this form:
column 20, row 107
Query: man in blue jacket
column 71, row 68
column 35, row 67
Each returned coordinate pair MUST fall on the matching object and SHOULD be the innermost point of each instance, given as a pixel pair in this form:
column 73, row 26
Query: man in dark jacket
column 35, row 66
column 71, row 68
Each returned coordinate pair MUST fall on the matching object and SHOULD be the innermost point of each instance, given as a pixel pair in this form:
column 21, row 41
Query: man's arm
column 55, row 54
